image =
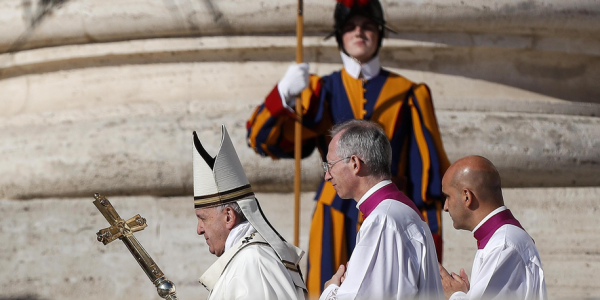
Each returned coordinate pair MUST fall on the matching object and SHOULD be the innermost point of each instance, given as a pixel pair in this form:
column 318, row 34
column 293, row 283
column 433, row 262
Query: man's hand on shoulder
column 453, row 283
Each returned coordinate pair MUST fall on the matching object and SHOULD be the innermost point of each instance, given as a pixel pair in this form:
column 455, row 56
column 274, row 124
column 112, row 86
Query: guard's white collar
column 354, row 68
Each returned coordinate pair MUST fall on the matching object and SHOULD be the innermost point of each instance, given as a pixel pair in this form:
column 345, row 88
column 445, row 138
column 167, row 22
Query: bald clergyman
column 507, row 264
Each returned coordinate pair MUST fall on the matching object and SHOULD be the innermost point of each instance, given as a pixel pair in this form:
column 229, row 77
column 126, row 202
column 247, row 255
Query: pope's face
column 360, row 36
column 212, row 224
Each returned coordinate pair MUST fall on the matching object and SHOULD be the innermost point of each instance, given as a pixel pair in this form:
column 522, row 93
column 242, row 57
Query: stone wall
column 102, row 96
column 87, row 105
column 53, row 252
column 42, row 23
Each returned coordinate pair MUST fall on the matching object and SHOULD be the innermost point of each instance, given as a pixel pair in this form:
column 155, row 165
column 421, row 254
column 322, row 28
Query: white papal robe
column 395, row 256
column 249, row 269
column 508, row 266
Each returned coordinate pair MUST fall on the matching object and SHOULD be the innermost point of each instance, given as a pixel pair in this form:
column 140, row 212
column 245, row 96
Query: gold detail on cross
column 123, row 230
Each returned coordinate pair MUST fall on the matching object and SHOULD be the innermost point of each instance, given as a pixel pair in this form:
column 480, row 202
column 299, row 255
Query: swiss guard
column 362, row 89
column 255, row 262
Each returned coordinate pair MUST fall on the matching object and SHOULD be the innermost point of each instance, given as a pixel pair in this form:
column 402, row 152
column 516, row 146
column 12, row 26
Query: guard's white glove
column 293, row 83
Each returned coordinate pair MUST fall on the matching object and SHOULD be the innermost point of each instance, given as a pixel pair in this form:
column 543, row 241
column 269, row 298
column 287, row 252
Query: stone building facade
column 102, row 96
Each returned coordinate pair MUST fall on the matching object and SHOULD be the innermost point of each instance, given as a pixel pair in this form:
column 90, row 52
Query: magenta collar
column 485, row 231
column 389, row 191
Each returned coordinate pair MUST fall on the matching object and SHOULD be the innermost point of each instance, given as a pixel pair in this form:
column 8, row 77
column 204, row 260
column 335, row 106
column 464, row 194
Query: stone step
column 475, row 77
column 35, row 24
column 146, row 149
column 50, row 249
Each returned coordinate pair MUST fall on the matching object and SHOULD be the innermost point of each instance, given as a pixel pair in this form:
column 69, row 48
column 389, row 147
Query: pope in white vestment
column 254, row 271
column 508, row 266
column 255, row 262
column 395, row 256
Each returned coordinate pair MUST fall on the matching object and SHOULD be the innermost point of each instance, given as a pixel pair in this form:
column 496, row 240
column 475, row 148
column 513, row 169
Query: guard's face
column 339, row 172
column 212, row 224
column 360, row 36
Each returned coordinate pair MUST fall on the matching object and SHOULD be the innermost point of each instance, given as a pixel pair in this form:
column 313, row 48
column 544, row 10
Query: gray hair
column 236, row 210
column 367, row 141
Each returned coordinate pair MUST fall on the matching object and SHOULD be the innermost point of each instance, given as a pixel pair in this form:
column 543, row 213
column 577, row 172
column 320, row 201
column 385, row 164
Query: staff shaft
column 298, row 130
column 141, row 256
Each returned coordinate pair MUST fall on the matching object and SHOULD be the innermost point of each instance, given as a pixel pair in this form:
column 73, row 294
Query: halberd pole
column 298, row 130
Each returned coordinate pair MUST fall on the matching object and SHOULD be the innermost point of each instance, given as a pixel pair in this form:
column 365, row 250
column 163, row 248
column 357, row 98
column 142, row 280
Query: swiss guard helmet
column 346, row 9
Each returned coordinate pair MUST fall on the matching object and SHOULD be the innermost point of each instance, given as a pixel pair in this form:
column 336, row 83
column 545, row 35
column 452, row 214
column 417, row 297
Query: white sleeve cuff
column 330, row 293
column 459, row 296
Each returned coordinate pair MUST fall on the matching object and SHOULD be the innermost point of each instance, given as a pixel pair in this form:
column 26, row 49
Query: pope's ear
column 230, row 218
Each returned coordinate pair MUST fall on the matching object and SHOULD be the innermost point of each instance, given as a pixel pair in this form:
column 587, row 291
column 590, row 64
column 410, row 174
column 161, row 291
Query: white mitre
column 221, row 179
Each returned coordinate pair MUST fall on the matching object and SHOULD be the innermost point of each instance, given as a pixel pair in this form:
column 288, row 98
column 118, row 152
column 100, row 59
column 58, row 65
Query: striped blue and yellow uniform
column 404, row 110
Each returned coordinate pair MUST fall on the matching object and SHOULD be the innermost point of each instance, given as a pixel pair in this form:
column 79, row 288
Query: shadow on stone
column 34, row 15
column 24, row 297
